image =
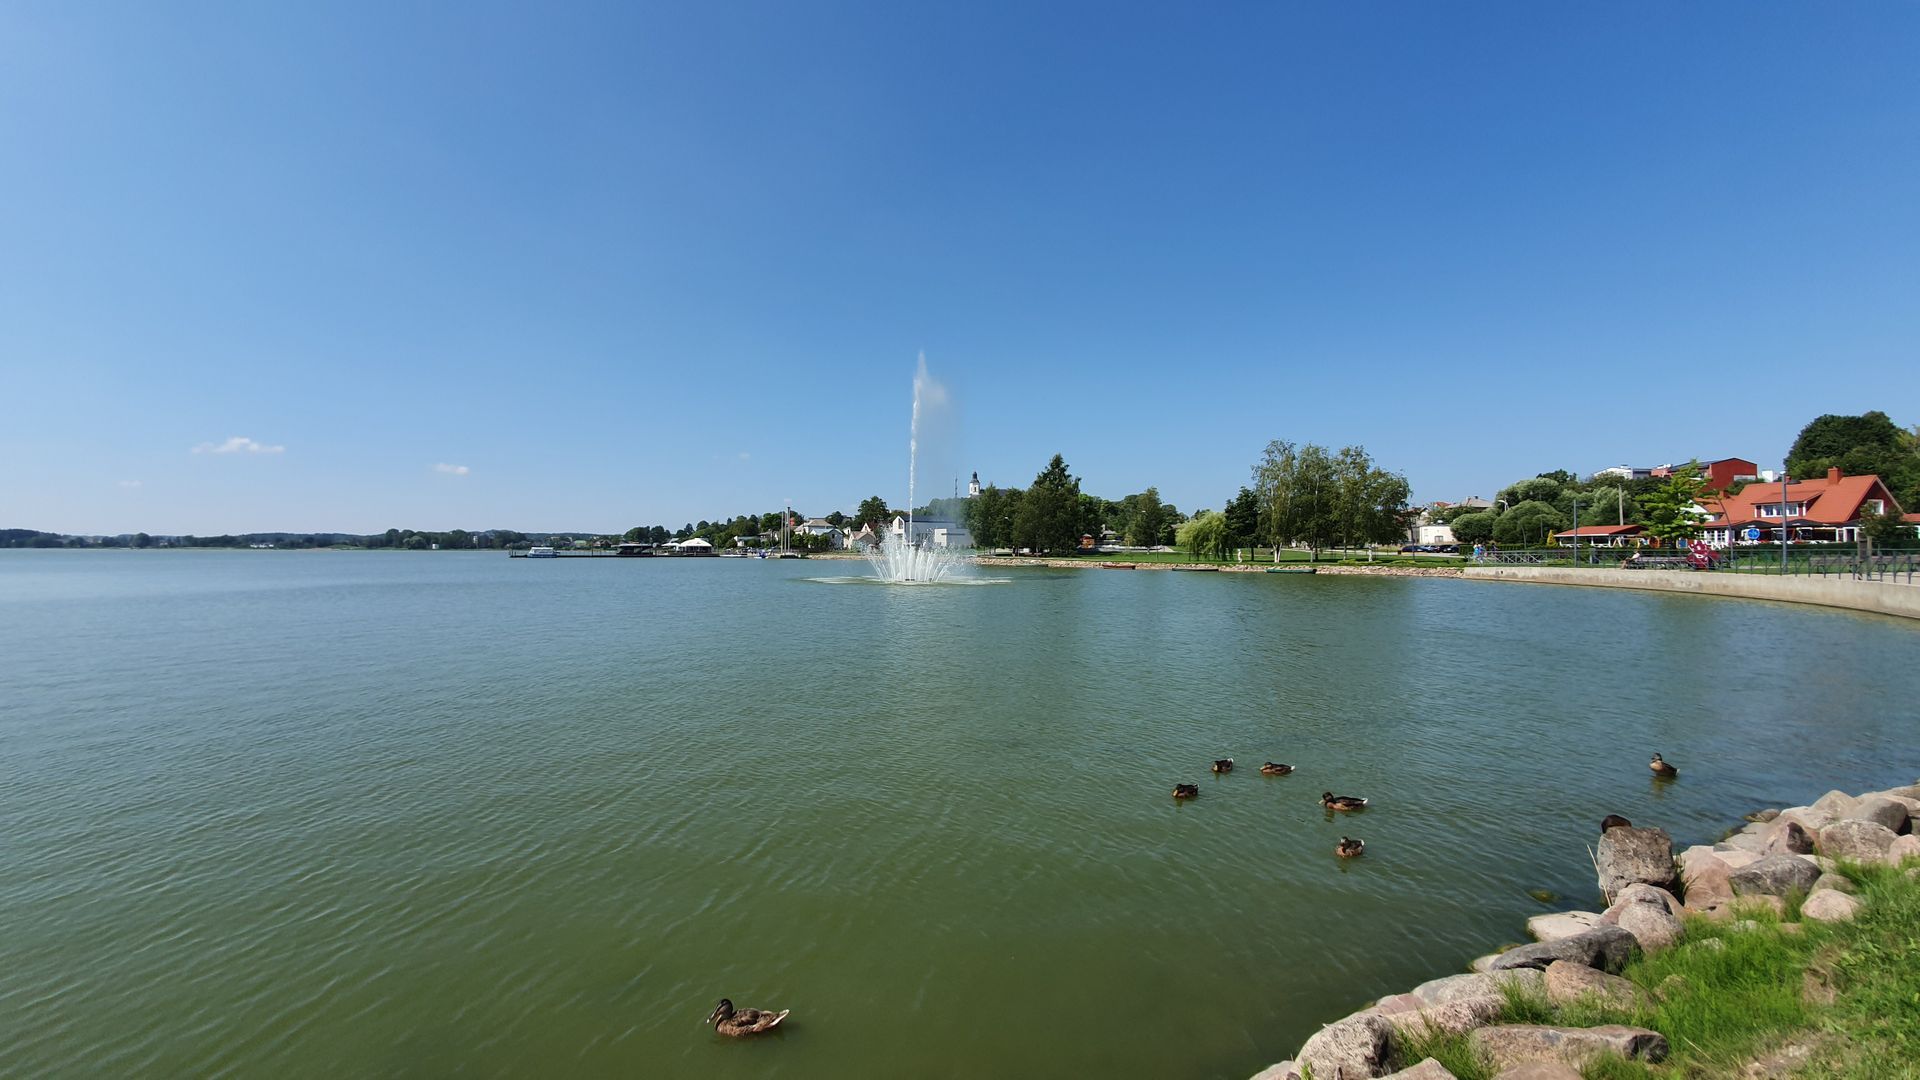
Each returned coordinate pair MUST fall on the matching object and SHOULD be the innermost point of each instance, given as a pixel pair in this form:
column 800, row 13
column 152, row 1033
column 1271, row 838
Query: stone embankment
column 1580, row 954
column 1880, row 597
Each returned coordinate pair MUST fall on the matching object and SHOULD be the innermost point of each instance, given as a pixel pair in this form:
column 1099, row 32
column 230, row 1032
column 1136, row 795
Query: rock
column 1902, row 849
column 1865, row 841
column 1653, row 926
column 1810, row 819
column 1913, row 874
column 1903, row 792
column 1775, row 875
column 1426, row 1070
column 1605, row 947
column 1785, row 1062
column 1834, row 804
column 1881, row 811
column 1913, row 811
column 1788, row 838
column 1358, row 1046
column 1830, row 905
column 1484, row 964
column 1743, row 842
column 1705, row 879
column 1460, row 987
column 1409, row 1016
column 1836, row 882
column 1279, row 1070
column 1507, row 1045
column 1569, row 982
column 1629, row 855
column 1763, row 816
column 1562, row 924
column 1738, row 859
column 1540, row 1070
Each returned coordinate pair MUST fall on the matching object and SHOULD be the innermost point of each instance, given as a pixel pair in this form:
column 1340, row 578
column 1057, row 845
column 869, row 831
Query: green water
column 368, row 814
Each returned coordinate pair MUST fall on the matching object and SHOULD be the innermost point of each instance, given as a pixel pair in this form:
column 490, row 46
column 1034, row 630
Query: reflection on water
column 314, row 813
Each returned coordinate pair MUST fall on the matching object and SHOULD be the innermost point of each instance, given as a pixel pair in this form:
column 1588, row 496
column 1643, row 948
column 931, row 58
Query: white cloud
column 129, row 483
column 237, row 444
column 452, row 470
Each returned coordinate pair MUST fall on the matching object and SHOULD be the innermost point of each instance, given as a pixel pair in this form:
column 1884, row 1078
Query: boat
column 542, row 553
column 1120, row 565
column 1293, row 570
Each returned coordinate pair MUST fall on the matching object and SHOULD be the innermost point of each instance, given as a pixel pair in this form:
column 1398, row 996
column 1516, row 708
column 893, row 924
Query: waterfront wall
column 1882, row 598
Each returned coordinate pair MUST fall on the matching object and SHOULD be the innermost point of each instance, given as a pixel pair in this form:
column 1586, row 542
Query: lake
column 381, row 813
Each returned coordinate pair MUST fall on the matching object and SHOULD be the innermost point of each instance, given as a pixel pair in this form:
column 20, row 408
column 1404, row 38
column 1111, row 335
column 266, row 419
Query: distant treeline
column 405, row 539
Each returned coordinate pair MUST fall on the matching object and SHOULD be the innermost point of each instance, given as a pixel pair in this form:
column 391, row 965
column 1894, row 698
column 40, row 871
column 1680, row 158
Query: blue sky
column 630, row 264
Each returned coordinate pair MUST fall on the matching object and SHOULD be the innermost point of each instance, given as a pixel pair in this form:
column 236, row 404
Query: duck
column 1614, row 821
column 1274, row 768
column 741, row 1023
column 1341, row 802
column 1348, row 848
column 1661, row 767
column 1186, row 791
column 1224, row 764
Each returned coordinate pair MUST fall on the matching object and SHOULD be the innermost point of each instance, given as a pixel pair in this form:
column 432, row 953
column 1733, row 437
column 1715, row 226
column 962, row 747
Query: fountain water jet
column 898, row 559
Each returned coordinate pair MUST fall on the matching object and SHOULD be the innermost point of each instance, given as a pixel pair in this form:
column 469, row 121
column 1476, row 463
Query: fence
column 1896, row 566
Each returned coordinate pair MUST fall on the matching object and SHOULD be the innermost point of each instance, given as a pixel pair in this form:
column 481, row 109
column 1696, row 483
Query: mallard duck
column 1614, row 821
column 1186, row 791
column 1274, row 768
column 1225, row 764
column 744, row 1022
column 1661, row 767
column 1341, row 802
column 1348, row 848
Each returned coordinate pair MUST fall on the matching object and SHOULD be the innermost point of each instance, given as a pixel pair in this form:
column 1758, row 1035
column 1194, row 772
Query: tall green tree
column 990, row 516
column 1531, row 523
column 1048, row 518
column 873, row 511
column 1206, row 535
column 1857, row 445
column 1148, row 515
column 1669, row 508
column 1242, row 518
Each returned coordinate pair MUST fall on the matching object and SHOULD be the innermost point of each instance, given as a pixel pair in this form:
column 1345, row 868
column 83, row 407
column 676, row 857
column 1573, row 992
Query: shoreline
column 1779, row 869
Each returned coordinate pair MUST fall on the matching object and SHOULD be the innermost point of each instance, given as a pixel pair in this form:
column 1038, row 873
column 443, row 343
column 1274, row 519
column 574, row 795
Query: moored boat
column 1292, row 570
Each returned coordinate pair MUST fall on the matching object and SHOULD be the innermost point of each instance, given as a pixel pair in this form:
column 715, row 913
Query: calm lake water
column 370, row 814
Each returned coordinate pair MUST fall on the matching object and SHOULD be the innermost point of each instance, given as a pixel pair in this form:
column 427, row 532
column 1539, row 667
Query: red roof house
column 1827, row 509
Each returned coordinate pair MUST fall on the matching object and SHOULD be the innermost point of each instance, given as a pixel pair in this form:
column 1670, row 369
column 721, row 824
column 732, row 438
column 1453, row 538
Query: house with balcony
column 1825, row 510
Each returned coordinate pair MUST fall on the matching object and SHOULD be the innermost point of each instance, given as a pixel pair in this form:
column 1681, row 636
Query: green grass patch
column 1876, row 1018
column 1451, row 1050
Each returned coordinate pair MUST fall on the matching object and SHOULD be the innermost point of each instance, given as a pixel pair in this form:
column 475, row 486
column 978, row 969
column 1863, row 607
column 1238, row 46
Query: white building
column 836, row 536
column 932, row 532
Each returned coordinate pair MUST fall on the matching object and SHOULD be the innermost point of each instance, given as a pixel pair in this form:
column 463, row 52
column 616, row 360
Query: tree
column 1144, row 529
column 1242, row 518
column 990, row 517
column 1670, row 508
column 1526, row 525
column 873, row 511
column 1887, row 529
column 1475, row 527
column 1308, row 495
column 141, row 540
column 1048, row 518
column 1206, row 535
column 1857, row 445
column 836, row 519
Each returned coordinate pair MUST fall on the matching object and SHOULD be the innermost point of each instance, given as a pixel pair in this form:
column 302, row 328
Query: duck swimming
column 1224, row 764
column 1274, row 768
column 1661, row 767
column 744, row 1022
column 1341, row 802
column 1348, row 848
column 1186, row 791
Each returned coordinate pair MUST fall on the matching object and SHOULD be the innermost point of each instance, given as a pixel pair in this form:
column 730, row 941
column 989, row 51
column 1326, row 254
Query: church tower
column 973, row 487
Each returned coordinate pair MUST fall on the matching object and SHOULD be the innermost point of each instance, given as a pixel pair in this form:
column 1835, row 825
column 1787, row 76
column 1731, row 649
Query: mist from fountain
column 898, row 559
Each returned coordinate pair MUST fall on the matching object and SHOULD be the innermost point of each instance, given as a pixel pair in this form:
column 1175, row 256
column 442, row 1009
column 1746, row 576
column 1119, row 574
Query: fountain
column 899, row 560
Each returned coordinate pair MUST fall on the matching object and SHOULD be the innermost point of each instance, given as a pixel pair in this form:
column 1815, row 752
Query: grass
column 1722, row 1006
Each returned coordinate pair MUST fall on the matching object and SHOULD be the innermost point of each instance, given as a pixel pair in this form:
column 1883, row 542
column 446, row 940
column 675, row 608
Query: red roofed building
column 1603, row 536
column 1813, row 511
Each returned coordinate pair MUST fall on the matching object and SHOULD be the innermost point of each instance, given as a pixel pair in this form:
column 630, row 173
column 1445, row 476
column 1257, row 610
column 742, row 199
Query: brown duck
column 1349, row 848
column 1186, row 791
column 744, row 1022
column 1274, row 768
column 1224, row 764
column 1341, row 802
column 1661, row 767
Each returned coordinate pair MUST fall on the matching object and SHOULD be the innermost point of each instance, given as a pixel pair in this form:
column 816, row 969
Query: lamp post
column 1783, row 519
column 1576, row 532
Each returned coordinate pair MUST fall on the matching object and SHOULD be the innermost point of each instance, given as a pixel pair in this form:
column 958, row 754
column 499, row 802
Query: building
column 836, row 536
column 973, row 487
column 1717, row 475
column 1826, row 510
column 1434, row 534
column 932, row 532
column 1603, row 536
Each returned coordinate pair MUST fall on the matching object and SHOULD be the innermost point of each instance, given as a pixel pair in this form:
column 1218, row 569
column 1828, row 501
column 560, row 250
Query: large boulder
column 1629, row 855
column 1787, row 838
column 1605, row 947
column 1507, row 1045
column 1880, row 810
column 1562, row 924
column 1743, row 841
column 1706, row 879
column 1864, row 841
column 1902, row 849
column 1775, row 875
column 1359, row 1046
column 1540, row 1070
column 1459, row 987
column 1279, row 1070
column 1650, row 914
column 1455, row 1004
column 1829, row 905
column 1834, row 804
column 1426, row 1070
column 1837, row 882
column 1567, row 983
